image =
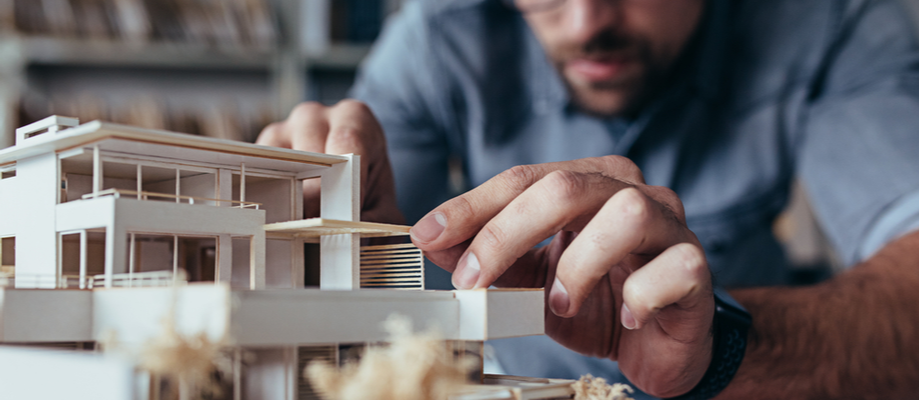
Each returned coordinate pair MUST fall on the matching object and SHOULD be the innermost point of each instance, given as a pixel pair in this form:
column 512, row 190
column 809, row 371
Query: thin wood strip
column 391, row 265
column 397, row 275
column 404, row 253
column 382, row 281
column 390, row 251
column 381, row 256
column 401, row 254
column 391, row 262
column 389, row 246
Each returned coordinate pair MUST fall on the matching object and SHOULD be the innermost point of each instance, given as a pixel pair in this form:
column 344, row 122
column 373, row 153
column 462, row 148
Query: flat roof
column 149, row 142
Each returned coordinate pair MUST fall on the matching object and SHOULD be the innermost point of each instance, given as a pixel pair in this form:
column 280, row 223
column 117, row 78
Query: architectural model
column 108, row 229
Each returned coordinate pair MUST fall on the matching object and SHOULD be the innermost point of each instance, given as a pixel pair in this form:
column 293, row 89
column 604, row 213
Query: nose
column 586, row 18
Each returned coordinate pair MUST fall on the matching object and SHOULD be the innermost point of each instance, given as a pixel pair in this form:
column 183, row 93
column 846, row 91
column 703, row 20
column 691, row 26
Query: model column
column 340, row 199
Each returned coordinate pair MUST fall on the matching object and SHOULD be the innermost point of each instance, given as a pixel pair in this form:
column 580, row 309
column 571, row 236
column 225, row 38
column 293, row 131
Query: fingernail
column 629, row 322
column 429, row 228
column 559, row 299
column 467, row 273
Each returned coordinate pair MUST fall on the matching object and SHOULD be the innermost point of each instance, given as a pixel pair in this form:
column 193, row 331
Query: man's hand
column 347, row 127
column 621, row 252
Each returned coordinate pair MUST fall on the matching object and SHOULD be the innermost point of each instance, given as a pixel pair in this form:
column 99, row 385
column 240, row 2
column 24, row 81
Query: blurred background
column 220, row 68
column 223, row 68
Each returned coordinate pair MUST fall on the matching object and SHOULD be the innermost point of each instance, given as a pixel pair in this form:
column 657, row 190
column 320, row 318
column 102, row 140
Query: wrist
column 730, row 328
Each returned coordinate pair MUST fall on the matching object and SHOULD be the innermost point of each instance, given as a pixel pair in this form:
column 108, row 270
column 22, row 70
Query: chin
column 604, row 104
column 605, row 99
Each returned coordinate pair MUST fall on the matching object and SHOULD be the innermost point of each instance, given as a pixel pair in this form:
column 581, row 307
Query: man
column 722, row 102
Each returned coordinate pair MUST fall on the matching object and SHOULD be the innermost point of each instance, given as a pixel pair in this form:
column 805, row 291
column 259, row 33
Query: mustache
column 603, row 44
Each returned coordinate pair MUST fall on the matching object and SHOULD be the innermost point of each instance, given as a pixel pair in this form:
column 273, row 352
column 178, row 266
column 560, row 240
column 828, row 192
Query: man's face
column 612, row 53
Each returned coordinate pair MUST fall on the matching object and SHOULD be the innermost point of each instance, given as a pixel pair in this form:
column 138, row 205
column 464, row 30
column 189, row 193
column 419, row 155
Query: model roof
column 150, row 142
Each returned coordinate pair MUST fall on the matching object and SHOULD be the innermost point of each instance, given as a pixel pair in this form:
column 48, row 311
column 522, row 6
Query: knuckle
column 519, row 177
column 691, row 257
column 492, row 236
column 346, row 134
column 623, row 168
column 668, row 198
column 458, row 209
column 307, row 109
column 634, row 205
column 567, row 186
column 353, row 106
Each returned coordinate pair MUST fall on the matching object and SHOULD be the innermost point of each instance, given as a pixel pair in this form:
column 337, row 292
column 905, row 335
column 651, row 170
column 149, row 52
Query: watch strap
column 730, row 329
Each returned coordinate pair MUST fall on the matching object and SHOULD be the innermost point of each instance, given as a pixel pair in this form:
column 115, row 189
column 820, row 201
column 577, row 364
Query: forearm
column 854, row 336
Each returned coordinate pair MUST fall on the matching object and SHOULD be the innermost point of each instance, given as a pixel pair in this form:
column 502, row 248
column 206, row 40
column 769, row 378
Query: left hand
column 620, row 246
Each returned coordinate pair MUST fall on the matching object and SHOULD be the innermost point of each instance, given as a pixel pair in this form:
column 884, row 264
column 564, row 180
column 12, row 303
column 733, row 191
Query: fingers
column 680, row 277
column 629, row 223
column 462, row 217
column 307, row 127
column 273, row 135
column 562, row 200
column 347, row 127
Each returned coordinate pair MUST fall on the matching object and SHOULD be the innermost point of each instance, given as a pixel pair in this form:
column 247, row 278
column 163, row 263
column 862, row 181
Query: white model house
column 99, row 219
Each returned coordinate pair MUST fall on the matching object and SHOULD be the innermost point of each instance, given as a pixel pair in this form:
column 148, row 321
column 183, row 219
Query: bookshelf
column 221, row 68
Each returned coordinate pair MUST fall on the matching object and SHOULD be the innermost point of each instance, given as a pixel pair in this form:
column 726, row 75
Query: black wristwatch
column 730, row 328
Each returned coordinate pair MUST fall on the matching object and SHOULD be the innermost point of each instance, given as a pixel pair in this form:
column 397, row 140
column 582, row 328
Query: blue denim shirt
column 768, row 91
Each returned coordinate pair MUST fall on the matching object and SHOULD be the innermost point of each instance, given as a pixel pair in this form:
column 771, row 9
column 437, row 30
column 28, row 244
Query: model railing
column 137, row 279
column 395, row 266
column 190, row 199
column 28, row 280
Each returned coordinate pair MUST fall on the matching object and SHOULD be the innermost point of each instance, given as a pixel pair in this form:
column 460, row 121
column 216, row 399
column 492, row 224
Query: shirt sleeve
column 859, row 155
column 396, row 81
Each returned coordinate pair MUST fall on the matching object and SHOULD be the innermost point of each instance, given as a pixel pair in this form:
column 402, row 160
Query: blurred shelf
column 340, row 56
column 112, row 53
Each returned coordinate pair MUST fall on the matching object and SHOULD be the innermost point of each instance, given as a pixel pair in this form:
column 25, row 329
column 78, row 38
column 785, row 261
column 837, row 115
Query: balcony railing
column 136, row 279
column 190, row 199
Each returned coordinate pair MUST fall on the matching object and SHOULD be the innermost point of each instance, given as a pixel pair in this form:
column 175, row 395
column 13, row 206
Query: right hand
column 347, row 127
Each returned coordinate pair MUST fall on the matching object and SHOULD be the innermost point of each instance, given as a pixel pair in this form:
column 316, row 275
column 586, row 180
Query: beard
column 641, row 72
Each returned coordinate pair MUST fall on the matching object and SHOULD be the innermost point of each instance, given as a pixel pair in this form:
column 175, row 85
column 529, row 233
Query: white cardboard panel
column 472, row 314
column 309, row 316
column 500, row 313
column 514, row 312
column 42, row 315
column 85, row 214
column 137, row 314
column 35, row 237
column 158, row 216
column 45, row 374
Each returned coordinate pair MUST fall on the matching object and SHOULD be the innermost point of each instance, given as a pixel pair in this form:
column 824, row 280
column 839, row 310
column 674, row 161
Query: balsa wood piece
column 500, row 313
column 518, row 388
column 316, row 227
